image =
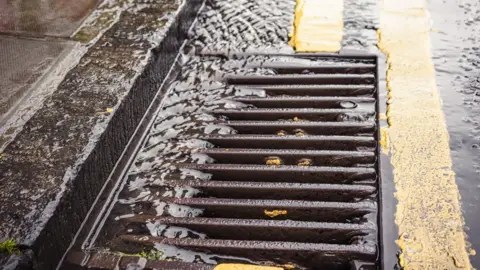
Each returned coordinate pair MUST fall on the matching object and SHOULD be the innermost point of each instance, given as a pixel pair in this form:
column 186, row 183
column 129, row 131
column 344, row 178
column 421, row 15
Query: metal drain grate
column 297, row 183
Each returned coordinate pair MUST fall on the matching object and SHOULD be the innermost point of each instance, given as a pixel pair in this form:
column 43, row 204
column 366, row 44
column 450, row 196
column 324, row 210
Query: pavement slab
column 22, row 62
column 58, row 18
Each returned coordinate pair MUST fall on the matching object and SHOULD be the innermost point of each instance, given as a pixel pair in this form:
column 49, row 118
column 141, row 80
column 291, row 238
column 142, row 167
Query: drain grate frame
column 333, row 185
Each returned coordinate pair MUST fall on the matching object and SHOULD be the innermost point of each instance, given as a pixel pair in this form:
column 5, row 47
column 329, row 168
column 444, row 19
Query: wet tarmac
column 360, row 24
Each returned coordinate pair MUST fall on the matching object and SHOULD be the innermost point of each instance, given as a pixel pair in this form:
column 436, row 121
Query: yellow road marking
column 318, row 26
column 231, row 266
column 428, row 213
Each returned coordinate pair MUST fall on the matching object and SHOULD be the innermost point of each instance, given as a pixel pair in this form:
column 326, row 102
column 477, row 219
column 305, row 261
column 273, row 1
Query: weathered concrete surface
column 51, row 173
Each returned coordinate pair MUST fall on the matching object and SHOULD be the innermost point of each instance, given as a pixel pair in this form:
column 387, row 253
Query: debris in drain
column 304, row 162
column 151, row 255
column 299, row 133
column 275, row 213
column 273, row 161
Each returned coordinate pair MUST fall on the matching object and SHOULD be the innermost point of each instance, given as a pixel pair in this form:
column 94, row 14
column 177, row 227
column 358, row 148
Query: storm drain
column 295, row 186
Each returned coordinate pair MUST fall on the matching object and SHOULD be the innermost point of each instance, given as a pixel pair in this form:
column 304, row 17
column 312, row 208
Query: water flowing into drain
column 269, row 160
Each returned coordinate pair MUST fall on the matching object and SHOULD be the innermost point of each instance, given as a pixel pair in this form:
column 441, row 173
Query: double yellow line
column 428, row 212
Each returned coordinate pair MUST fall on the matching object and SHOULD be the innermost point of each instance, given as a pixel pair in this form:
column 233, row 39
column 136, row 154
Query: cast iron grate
column 297, row 183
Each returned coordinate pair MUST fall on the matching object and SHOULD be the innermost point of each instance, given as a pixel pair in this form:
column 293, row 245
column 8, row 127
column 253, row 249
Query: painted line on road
column 428, row 212
column 318, row 26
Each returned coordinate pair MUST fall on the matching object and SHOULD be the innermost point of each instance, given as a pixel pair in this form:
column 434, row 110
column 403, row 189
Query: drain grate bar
column 317, row 254
column 292, row 142
column 296, row 210
column 290, row 156
column 301, row 128
column 316, row 90
column 287, row 68
column 303, row 79
column 267, row 230
column 274, row 190
column 365, row 103
column 303, row 114
column 238, row 172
